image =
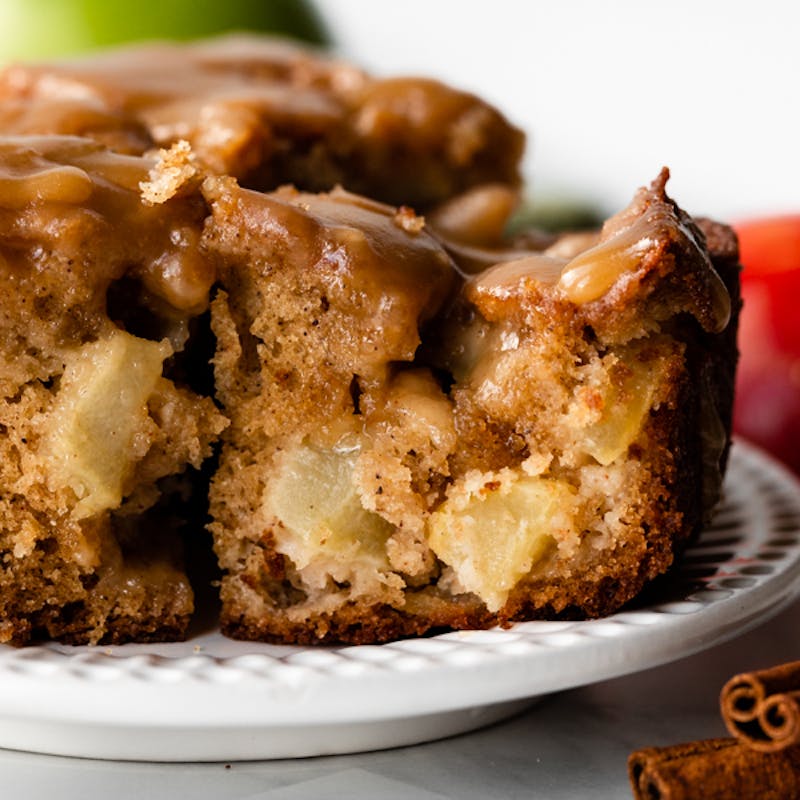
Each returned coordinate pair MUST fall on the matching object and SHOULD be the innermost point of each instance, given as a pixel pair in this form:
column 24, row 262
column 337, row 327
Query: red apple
column 767, row 409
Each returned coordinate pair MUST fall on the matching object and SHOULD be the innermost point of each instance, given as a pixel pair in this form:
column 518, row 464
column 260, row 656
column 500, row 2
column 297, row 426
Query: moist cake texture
column 416, row 422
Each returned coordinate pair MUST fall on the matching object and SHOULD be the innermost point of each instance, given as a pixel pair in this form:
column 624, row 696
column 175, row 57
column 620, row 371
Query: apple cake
column 96, row 434
column 396, row 423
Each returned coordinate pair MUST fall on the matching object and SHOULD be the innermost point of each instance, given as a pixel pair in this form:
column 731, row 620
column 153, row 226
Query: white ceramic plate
column 212, row 699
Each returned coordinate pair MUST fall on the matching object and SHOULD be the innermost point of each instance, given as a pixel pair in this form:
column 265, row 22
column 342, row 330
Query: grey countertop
column 570, row 745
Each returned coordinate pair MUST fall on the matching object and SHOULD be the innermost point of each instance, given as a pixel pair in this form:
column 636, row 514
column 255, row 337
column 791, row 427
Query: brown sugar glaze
column 269, row 112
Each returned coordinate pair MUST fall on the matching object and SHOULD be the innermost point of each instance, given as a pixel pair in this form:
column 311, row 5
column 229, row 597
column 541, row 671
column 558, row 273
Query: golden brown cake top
column 649, row 262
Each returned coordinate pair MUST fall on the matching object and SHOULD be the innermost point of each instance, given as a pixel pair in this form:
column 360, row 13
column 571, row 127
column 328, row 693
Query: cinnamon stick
column 762, row 708
column 645, row 761
column 722, row 769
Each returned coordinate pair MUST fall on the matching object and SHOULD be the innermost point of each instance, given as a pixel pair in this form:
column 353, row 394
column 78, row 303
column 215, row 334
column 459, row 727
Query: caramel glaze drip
column 374, row 250
column 379, row 241
column 651, row 250
column 72, row 196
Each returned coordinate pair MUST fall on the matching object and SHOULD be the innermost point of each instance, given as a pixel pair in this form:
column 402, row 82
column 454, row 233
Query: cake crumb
column 174, row 168
column 407, row 219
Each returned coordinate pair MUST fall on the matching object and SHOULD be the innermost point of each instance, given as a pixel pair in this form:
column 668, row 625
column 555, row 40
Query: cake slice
column 412, row 447
column 97, row 291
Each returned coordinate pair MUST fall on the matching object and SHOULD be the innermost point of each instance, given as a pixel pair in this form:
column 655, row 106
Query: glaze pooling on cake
column 419, row 422
column 269, row 112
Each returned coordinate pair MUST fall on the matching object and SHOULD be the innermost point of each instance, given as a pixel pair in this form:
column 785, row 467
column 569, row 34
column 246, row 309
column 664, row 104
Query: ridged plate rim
column 214, row 699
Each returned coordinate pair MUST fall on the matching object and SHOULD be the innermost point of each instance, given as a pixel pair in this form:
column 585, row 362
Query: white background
column 610, row 92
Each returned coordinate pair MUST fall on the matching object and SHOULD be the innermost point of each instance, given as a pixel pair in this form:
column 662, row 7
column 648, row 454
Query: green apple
column 46, row 28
